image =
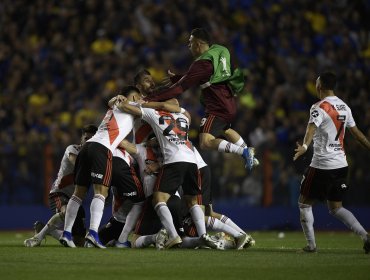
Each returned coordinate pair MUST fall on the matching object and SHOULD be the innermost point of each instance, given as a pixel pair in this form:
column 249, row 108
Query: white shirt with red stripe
column 65, row 180
column 331, row 116
column 115, row 126
column 142, row 131
column 171, row 130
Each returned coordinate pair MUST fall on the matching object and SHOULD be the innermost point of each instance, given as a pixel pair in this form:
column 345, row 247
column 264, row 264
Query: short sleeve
column 350, row 120
column 316, row 115
column 147, row 114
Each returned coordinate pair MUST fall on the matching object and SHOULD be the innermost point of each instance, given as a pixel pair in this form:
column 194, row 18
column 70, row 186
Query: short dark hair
column 89, row 128
column 139, row 75
column 125, row 91
column 328, row 80
column 201, row 34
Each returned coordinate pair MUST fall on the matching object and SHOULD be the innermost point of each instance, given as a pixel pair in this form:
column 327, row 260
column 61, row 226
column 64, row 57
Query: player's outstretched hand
column 300, row 150
column 166, row 82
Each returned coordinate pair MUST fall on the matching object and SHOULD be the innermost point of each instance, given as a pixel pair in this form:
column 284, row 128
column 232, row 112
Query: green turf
column 340, row 256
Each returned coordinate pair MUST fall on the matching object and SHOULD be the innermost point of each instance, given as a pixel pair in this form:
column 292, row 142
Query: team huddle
column 161, row 187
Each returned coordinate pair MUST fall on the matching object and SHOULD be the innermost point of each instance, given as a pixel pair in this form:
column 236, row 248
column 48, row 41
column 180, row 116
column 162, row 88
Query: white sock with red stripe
column 71, row 212
column 197, row 216
column 306, row 217
column 228, row 147
column 145, row 241
column 216, row 225
column 347, row 218
column 96, row 211
column 230, row 223
column 241, row 143
column 191, row 242
column 165, row 216
column 131, row 220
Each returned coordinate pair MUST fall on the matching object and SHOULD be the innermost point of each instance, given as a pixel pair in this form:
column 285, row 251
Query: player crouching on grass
column 59, row 196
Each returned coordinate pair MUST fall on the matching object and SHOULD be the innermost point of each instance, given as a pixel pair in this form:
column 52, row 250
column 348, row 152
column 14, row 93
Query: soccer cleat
column 248, row 155
column 126, row 244
column 32, row 242
column 367, row 244
column 241, row 241
column 38, row 226
column 211, row 242
column 174, row 242
column 250, row 242
column 307, row 249
column 88, row 244
column 66, row 240
column 93, row 237
column 160, row 239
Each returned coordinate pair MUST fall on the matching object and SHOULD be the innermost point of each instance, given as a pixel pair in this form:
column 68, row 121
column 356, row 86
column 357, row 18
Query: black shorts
column 213, row 125
column 126, row 182
column 93, row 165
column 111, row 231
column 177, row 174
column 57, row 200
column 206, row 193
column 149, row 222
column 320, row 184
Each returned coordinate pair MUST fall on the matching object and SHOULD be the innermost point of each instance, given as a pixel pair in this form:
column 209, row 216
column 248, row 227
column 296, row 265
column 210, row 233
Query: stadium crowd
column 61, row 60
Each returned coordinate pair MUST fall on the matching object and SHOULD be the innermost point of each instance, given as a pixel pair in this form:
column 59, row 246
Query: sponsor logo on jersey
column 315, row 114
column 129, row 194
column 343, row 186
column 96, row 175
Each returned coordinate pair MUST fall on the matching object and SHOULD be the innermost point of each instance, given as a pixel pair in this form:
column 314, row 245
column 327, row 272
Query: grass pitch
column 340, row 256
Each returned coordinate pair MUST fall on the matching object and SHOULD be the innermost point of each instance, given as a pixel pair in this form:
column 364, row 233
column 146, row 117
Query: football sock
column 96, row 211
column 350, row 221
column 191, row 242
column 71, row 212
column 216, row 225
column 165, row 216
column 241, row 143
column 131, row 220
column 145, row 241
column 230, row 223
column 306, row 217
column 197, row 216
column 228, row 147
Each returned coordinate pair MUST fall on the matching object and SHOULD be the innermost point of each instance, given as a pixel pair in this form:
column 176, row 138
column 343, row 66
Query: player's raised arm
column 360, row 137
column 172, row 107
column 129, row 108
column 301, row 149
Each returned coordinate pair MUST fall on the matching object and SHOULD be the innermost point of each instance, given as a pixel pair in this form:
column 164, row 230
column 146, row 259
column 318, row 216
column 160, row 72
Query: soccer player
column 129, row 187
column 171, row 130
column 94, row 165
column 211, row 71
column 148, row 229
column 325, row 179
column 60, row 194
column 214, row 221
